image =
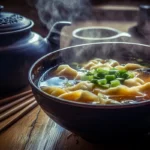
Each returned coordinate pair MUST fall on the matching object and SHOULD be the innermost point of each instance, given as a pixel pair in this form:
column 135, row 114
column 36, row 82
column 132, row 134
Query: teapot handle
column 53, row 36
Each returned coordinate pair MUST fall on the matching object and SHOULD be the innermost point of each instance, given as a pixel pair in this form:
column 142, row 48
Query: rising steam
column 51, row 11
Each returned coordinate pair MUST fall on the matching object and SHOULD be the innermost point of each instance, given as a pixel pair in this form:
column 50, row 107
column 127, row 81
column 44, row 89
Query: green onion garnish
column 102, row 82
column 109, row 77
column 115, row 83
column 112, row 72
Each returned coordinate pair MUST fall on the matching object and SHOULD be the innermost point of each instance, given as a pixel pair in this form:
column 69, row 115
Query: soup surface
column 98, row 81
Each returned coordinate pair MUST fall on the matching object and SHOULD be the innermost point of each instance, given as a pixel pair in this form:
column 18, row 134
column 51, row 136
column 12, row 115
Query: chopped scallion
column 112, row 72
column 115, row 83
column 107, row 78
column 102, row 82
column 110, row 77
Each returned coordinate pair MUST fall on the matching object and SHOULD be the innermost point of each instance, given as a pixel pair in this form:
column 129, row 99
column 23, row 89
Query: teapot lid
column 12, row 22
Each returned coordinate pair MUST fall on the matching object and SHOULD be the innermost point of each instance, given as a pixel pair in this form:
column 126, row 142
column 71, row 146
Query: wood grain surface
column 36, row 131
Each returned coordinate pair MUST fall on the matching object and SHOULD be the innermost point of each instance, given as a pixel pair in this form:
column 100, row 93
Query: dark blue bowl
column 90, row 121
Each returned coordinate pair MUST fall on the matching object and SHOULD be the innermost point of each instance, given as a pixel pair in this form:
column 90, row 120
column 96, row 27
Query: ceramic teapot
column 20, row 47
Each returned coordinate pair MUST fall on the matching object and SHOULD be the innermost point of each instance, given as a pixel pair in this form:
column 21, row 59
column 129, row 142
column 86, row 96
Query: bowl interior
column 82, row 53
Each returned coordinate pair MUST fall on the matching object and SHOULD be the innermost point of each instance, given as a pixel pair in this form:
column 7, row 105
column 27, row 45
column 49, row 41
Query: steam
column 51, row 11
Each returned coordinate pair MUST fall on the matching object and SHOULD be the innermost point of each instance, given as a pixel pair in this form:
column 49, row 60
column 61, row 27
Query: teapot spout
column 53, row 36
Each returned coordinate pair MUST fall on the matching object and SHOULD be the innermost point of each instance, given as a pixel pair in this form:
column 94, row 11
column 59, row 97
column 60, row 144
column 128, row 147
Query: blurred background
column 121, row 15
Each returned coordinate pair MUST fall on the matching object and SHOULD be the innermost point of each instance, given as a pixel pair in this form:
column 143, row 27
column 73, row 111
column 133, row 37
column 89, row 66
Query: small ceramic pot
column 98, row 34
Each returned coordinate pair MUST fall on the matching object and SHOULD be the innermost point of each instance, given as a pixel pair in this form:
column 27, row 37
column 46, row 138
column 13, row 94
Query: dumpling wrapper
column 80, row 96
column 53, row 90
column 124, row 90
column 66, row 70
column 113, row 63
column 105, row 66
column 83, row 85
column 133, row 82
column 89, row 65
column 129, row 66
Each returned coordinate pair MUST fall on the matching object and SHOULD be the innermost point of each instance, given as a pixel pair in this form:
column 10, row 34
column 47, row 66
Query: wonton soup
column 98, row 81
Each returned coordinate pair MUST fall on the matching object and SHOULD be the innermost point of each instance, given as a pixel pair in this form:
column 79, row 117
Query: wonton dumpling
column 133, row 82
column 106, row 66
column 53, row 90
column 89, row 65
column 132, row 66
column 83, row 85
column 129, row 66
column 66, row 70
column 122, row 90
column 113, row 63
column 145, row 87
column 127, row 91
column 80, row 96
column 120, row 67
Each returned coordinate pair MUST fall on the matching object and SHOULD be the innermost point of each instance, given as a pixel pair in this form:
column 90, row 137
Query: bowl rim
column 81, row 104
column 74, row 33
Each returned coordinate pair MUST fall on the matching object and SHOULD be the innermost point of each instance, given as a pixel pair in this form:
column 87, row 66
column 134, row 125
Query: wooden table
column 36, row 131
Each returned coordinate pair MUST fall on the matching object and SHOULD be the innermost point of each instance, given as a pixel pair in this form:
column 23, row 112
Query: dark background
column 94, row 2
column 27, row 9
